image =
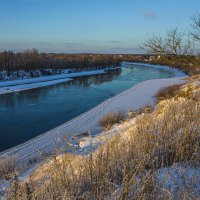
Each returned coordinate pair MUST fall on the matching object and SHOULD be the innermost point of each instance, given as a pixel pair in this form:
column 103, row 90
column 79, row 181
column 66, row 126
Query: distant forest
column 32, row 59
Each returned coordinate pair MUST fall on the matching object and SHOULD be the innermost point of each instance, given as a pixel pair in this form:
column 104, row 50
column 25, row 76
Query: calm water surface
column 27, row 114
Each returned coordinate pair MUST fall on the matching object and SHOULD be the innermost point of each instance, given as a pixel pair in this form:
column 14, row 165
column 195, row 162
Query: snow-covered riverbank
column 176, row 72
column 27, row 84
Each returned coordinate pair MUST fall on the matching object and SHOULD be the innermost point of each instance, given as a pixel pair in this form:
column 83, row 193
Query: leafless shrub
column 110, row 119
column 167, row 92
column 196, row 27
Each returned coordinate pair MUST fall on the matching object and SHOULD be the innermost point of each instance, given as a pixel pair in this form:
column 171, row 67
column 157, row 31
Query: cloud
column 150, row 14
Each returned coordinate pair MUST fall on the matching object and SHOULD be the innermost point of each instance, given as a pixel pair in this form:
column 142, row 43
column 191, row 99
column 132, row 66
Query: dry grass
column 167, row 92
column 7, row 167
column 126, row 167
column 110, row 119
column 133, row 113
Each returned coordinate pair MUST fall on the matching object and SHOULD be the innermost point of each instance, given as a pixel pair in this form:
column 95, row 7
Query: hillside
column 151, row 154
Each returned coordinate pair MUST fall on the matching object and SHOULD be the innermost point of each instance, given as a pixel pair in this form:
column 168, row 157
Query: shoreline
column 133, row 98
column 175, row 71
column 27, row 84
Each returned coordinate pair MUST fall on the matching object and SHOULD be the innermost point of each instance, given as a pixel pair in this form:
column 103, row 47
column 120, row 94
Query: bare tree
column 175, row 43
column 178, row 43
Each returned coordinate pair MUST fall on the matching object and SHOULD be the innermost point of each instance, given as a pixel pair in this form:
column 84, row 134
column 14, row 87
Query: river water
column 27, row 114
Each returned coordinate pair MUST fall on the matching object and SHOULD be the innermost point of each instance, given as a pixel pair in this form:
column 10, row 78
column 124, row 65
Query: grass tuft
column 110, row 119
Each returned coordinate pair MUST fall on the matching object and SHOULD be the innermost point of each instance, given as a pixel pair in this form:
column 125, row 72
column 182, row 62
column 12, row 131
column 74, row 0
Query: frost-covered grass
column 157, row 157
column 7, row 167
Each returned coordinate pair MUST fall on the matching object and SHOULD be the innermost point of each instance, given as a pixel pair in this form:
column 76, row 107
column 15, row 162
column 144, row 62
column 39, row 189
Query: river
column 27, row 114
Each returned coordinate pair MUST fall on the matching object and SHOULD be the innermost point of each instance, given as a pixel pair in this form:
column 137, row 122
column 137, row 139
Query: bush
column 167, row 92
column 110, row 119
column 7, row 167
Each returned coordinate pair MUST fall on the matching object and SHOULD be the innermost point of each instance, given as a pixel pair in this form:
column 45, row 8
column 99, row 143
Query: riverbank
column 27, row 84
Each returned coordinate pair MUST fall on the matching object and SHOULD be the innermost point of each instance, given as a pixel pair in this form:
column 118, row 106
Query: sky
column 92, row 26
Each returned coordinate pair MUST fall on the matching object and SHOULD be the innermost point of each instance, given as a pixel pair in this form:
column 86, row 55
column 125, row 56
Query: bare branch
column 196, row 27
column 156, row 44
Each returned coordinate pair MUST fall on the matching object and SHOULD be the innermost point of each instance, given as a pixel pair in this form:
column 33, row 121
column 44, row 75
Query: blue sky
column 99, row 26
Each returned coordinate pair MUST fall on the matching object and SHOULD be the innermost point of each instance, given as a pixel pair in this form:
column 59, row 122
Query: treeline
column 87, row 60
column 27, row 60
column 33, row 59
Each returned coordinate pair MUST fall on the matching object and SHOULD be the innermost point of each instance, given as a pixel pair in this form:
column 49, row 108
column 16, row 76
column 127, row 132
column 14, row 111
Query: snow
column 172, row 180
column 88, row 143
column 26, row 84
column 19, row 88
column 179, row 177
column 48, row 78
